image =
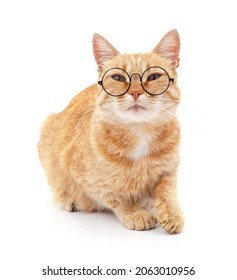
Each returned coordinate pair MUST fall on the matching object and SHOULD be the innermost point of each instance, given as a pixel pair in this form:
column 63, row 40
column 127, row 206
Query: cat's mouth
column 136, row 108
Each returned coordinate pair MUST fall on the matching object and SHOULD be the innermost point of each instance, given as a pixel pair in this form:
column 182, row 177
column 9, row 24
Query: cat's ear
column 169, row 47
column 103, row 51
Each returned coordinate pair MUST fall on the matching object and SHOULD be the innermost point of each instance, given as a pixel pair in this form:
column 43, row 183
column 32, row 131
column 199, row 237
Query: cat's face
column 137, row 105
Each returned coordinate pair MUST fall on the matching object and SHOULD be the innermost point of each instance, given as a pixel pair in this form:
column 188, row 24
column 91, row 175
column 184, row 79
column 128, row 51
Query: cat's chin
column 136, row 108
column 137, row 114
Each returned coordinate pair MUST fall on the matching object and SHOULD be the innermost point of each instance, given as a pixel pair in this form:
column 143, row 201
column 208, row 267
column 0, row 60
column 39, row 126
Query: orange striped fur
column 116, row 153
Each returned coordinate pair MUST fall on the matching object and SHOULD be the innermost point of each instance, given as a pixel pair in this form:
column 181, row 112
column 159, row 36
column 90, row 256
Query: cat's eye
column 153, row 77
column 118, row 78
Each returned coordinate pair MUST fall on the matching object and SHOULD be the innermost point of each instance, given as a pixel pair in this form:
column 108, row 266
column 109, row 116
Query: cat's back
column 83, row 101
column 59, row 128
column 79, row 109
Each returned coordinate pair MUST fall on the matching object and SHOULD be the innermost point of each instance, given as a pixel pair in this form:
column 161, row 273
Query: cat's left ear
column 103, row 51
column 169, row 47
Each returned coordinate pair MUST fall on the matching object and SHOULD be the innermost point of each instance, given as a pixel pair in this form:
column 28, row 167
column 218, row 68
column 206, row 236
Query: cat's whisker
column 91, row 108
column 104, row 112
column 190, row 124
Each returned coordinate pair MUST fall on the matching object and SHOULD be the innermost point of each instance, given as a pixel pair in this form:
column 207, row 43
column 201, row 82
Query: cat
column 116, row 145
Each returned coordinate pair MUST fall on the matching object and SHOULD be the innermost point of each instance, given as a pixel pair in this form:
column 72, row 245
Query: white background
column 45, row 59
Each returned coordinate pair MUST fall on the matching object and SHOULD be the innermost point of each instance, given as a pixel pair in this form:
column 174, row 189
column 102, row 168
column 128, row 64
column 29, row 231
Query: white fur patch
column 141, row 149
column 138, row 117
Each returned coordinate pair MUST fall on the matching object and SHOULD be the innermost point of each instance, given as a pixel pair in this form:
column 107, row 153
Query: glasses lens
column 155, row 80
column 116, row 81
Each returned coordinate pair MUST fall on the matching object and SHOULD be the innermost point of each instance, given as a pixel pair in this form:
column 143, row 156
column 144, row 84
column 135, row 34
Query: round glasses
column 154, row 80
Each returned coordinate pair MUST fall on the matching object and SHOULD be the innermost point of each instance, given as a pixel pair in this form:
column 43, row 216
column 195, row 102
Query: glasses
column 154, row 80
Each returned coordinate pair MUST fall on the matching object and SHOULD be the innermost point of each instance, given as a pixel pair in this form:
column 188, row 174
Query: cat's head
column 138, row 87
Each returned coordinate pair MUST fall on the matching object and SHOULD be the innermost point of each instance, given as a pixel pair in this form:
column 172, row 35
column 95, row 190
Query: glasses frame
column 130, row 80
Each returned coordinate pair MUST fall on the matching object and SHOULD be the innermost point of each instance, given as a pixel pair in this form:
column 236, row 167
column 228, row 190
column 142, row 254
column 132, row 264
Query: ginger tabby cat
column 116, row 144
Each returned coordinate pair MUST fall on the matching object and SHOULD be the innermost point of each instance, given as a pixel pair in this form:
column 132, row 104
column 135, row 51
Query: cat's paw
column 140, row 220
column 70, row 207
column 171, row 222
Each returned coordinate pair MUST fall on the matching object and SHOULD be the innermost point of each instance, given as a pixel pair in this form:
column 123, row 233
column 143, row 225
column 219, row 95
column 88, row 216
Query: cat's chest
column 141, row 148
column 138, row 176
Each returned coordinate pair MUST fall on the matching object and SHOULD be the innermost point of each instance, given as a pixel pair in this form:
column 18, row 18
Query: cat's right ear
column 103, row 51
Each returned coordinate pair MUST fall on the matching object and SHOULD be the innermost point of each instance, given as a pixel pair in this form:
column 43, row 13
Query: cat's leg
column 131, row 214
column 82, row 202
column 169, row 214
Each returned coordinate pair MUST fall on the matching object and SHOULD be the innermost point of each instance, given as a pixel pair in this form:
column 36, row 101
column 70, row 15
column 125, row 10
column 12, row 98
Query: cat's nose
column 136, row 93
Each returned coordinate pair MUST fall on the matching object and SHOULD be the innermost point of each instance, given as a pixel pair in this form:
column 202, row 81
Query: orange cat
column 116, row 144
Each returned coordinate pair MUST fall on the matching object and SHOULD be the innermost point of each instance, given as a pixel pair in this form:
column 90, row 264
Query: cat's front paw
column 140, row 220
column 172, row 222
